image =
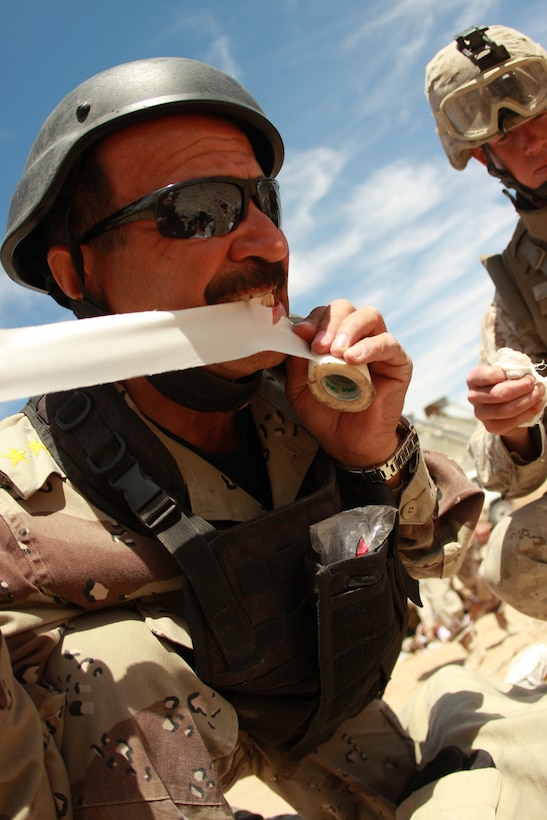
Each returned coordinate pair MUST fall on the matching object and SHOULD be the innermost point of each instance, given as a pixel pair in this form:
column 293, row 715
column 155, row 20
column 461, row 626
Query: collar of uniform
column 288, row 449
column 535, row 222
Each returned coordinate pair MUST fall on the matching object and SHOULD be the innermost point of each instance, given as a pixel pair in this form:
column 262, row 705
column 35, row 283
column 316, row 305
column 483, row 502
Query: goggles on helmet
column 197, row 208
column 471, row 112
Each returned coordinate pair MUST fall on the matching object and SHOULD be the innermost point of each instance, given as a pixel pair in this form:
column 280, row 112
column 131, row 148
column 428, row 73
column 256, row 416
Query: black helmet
column 111, row 100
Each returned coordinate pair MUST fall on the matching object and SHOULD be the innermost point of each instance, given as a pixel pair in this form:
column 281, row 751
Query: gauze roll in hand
column 339, row 385
column 516, row 364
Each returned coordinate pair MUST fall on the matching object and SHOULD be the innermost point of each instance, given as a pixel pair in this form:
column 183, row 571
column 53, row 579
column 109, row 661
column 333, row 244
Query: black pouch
column 362, row 617
column 264, row 563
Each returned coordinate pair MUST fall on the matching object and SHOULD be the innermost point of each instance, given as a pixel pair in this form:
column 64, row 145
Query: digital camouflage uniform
column 457, row 707
column 475, row 78
column 102, row 715
column 514, row 563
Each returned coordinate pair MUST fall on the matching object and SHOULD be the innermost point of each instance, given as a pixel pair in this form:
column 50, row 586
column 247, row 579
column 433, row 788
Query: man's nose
column 257, row 236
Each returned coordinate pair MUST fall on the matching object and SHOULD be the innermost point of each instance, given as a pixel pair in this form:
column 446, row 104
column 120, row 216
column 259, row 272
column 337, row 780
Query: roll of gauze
column 340, row 385
column 65, row 355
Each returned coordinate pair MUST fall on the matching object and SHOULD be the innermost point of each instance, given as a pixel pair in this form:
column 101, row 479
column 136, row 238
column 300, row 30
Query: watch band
column 380, row 473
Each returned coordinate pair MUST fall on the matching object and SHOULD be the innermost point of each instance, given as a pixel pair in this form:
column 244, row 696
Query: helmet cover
column 450, row 70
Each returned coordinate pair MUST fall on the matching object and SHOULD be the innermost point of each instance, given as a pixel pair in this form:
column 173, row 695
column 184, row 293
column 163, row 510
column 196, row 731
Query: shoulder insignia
column 25, row 461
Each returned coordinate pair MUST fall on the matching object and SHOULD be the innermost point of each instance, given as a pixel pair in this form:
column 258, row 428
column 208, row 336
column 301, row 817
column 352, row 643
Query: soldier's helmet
column 487, row 81
column 115, row 98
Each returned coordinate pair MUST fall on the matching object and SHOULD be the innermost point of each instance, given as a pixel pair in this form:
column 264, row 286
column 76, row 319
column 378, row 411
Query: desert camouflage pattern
column 457, row 707
column 101, row 714
column 449, row 70
column 514, row 564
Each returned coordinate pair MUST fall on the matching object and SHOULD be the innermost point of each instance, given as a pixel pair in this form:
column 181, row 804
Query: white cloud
column 219, row 54
column 307, row 178
column 407, row 240
column 209, row 33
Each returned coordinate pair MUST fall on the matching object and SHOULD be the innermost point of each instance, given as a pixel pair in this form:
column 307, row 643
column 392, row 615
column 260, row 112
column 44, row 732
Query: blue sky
column 372, row 209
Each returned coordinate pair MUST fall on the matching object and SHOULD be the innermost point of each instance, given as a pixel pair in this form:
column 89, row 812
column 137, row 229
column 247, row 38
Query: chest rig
column 520, row 277
column 296, row 646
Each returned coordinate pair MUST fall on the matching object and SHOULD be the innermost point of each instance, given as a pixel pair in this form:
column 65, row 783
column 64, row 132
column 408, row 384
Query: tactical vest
column 296, row 646
column 520, row 277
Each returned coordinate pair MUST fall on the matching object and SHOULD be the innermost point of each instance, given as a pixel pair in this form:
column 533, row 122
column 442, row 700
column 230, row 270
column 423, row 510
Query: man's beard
column 196, row 387
column 259, row 276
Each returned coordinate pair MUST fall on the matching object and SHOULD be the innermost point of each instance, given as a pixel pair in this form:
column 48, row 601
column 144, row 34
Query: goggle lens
column 472, row 111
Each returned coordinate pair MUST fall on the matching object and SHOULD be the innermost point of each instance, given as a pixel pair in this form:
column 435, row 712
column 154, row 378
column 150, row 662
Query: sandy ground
column 500, row 648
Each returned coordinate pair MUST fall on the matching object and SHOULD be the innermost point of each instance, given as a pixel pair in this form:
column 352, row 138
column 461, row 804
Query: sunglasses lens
column 201, row 210
column 269, row 200
column 212, row 208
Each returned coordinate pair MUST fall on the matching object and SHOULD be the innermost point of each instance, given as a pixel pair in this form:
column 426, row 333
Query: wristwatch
column 380, row 473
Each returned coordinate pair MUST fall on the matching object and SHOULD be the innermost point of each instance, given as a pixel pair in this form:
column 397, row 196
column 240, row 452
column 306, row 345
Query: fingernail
column 341, row 341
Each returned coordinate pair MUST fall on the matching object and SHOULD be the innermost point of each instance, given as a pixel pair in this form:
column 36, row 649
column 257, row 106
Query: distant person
column 477, row 596
column 451, row 606
column 443, row 617
column 488, row 93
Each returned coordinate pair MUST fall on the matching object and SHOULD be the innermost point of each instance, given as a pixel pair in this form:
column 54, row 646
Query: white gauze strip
column 517, row 364
column 65, row 355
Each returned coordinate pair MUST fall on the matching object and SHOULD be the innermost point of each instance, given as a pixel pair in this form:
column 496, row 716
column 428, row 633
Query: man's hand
column 358, row 336
column 503, row 404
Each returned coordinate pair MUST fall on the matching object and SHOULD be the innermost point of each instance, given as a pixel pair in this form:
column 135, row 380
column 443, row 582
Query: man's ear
column 478, row 153
column 60, row 264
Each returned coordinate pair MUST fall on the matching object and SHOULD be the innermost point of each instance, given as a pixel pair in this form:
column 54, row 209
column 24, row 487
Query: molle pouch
column 269, row 675
column 362, row 616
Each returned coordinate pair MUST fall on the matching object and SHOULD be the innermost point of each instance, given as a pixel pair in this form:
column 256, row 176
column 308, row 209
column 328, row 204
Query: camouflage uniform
column 514, row 561
column 472, row 85
column 460, row 708
column 101, row 713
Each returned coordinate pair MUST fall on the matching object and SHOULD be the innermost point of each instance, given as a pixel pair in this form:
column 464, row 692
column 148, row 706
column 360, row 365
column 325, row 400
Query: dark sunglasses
column 211, row 206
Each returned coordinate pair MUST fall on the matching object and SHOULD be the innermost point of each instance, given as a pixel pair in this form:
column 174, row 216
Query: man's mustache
column 259, row 276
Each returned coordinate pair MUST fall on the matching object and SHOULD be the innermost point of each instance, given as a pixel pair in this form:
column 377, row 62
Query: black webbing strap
column 107, row 457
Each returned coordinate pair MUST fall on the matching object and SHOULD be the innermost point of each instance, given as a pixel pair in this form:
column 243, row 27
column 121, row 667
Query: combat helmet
column 488, row 80
column 115, row 98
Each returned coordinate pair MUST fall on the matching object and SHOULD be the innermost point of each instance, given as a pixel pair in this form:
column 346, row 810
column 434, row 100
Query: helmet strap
column 200, row 390
column 531, row 197
column 87, row 306
column 194, row 388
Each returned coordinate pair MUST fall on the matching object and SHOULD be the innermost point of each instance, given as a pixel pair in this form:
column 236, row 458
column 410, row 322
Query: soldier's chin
column 240, row 368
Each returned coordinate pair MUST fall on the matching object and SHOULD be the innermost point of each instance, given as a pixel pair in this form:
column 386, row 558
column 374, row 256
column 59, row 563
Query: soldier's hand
column 503, row 404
